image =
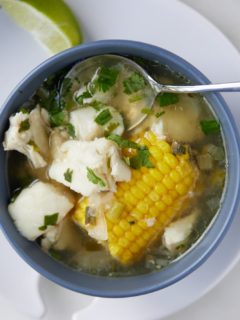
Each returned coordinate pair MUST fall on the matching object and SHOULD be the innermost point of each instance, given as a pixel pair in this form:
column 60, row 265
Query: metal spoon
column 82, row 72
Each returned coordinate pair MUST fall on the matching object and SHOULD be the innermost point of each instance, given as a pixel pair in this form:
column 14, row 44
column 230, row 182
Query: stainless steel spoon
column 82, row 72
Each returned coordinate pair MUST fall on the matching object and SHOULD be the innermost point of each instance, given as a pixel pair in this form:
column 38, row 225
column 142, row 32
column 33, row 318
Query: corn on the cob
column 148, row 203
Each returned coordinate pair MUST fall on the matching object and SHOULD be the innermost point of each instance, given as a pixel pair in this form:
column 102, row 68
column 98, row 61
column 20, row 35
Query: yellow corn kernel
column 143, row 187
column 168, row 182
column 156, row 153
column 123, row 224
column 154, row 196
column 175, row 176
column 123, row 242
column 129, row 235
column 160, row 205
column 160, row 189
column 118, row 230
column 156, row 175
column 150, row 136
column 163, row 167
column 137, row 193
column 167, row 199
column 148, row 179
column 171, row 160
column 164, row 146
column 153, row 212
column 136, row 230
column 152, row 199
column 181, row 188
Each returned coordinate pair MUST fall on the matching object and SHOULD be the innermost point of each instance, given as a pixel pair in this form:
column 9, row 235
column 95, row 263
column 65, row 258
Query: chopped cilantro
column 24, row 110
column 55, row 254
column 107, row 78
column 135, row 98
column 141, row 159
column 127, row 160
column 68, row 175
column 123, row 143
column 112, row 126
column 210, row 126
column 133, row 83
column 103, row 117
column 24, row 125
column 70, row 130
column 97, row 105
column 49, row 220
column 167, row 98
column 94, row 178
column 159, row 114
column 147, row 111
column 57, row 119
column 84, row 95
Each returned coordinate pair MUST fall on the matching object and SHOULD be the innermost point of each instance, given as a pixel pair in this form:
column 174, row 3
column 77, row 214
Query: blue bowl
column 135, row 285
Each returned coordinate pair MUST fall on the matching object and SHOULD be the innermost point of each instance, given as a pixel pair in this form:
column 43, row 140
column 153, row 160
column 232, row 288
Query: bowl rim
column 141, row 284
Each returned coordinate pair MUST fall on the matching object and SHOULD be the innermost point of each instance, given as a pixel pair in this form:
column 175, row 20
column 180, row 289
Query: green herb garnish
column 123, row 143
column 57, row 119
column 147, row 111
column 112, row 126
column 135, row 98
column 84, row 95
column 24, row 125
column 210, row 126
column 24, row 110
column 167, row 98
column 134, row 83
column 49, row 220
column 107, row 78
column 159, row 114
column 55, row 254
column 103, row 117
column 68, row 175
column 94, row 178
column 141, row 159
column 70, row 130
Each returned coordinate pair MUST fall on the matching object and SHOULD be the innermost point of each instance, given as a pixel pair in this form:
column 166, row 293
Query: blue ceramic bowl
column 136, row 285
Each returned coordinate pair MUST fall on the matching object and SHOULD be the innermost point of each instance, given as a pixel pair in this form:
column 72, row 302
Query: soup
column 103, row 199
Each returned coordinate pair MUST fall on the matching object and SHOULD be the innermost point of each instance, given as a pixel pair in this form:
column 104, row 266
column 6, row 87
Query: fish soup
column 105, row 200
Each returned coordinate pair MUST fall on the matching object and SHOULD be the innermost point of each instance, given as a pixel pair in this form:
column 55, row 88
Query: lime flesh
column 51, row 22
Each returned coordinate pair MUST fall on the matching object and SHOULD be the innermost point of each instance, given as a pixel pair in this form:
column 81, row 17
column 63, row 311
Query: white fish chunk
column 100, row 155
column 34, row 203
column 87, row 129
column 33, row 141
column 178, row 232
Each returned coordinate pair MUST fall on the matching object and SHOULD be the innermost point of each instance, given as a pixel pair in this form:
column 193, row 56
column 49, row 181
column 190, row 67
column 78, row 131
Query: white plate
column 171, row 25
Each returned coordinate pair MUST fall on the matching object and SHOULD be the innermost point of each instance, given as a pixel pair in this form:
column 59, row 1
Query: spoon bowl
column 88, row 70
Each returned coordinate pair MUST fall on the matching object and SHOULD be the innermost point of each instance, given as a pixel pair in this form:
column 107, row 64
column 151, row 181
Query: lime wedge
column 50, row 22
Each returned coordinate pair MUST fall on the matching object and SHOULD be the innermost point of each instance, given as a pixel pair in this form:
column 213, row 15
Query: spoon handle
column 223, row 87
